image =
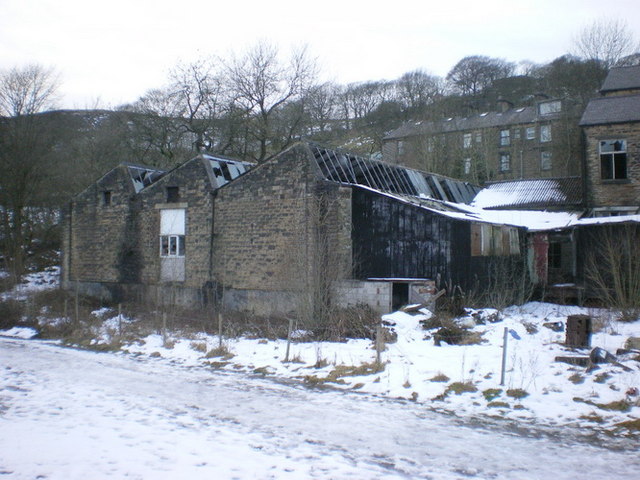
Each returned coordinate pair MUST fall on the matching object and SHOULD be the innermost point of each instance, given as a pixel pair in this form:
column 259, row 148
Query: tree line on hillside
column 251, row 106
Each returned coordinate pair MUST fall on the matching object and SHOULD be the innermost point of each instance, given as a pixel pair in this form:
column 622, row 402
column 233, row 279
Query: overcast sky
column 111, row 52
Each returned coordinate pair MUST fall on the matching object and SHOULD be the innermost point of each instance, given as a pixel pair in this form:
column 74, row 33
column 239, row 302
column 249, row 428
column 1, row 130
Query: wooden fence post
column 119, row 319
column 379, row 343
column 286, row 357
column 219, row 329
column 504, row 355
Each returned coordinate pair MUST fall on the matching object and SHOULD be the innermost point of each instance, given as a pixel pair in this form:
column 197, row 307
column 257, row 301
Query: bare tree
column 612, row 268
column 25, row 147
column 605, row 40
column 198, row 88
column 157, row 126
column 417, row 89
column 473, row 74
column 27, row 90
column 261, row 84
column 321, row 105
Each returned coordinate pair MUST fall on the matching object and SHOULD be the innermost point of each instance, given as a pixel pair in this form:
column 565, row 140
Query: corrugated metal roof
column 622, row 78
column 348, row 169
column 535, row 193
column 619, row 109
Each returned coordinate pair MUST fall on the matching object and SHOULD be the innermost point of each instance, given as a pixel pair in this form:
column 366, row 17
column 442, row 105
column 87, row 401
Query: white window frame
column 549, row 108
column 467, row 166
column 505, row 138
column 172, row 246
column 505, row 162
column 531, row 133
column 613, row 151
column 172, row 232
column 545, row 133
column 466, row 140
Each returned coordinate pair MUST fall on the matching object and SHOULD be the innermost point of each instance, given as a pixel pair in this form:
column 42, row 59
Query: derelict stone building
column 309, row 226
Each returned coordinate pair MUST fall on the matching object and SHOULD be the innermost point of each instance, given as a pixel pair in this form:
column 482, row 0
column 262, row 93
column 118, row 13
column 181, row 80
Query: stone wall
column 613, row 192
column 194, row 191
column 99, row 240
column 269, row 240
column 277, row 225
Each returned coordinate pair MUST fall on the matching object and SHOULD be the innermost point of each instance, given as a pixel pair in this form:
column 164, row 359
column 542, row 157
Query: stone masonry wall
column 194, row 190
column 613, row 192
column 100, row 238
column 265, row 233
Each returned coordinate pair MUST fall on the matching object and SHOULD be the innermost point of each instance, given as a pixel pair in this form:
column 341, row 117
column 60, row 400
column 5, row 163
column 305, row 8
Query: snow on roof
column 532, row 220
column 538, row 193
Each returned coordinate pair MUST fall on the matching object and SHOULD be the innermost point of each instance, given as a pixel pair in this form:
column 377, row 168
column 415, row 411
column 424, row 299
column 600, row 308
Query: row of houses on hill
column 314, row 226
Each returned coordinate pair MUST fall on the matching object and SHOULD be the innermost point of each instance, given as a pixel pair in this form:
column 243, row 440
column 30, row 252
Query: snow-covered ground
column 73, row 414
column 537, row 389
column 556, row 393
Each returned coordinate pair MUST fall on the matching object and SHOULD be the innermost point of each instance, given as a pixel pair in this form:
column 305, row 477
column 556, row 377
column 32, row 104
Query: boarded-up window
column 496, row 240
column 514, row 240
column 172, row 221
column 486, row 239
column 476, row 239
column 506, row 241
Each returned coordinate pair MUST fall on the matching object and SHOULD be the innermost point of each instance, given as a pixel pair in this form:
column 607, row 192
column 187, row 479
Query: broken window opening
column 106, row 198
column 173, row 194
column 613, row 159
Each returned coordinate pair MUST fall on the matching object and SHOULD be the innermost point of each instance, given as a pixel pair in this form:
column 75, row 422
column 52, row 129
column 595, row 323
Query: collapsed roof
column 223, row 169
column 348, row 169
column 143, row 176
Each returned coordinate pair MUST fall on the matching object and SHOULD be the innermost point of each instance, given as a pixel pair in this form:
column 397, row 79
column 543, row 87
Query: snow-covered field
column 74, row 414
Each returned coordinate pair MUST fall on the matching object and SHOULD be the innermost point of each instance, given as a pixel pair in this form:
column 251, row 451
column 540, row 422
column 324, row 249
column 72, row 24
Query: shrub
column 491, row 393
column 461, row 387
column 441, row 377
column 359, row 321
column 517, row 393
column 11, row 312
